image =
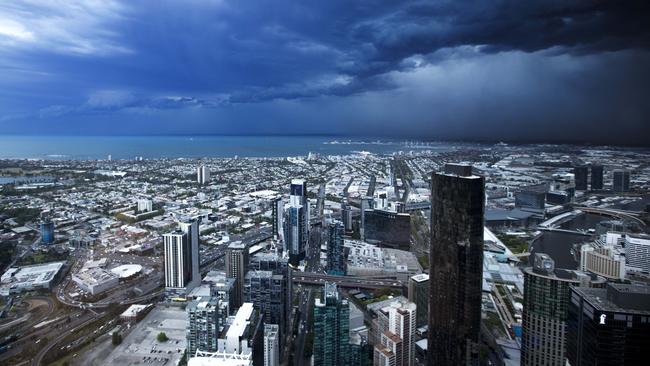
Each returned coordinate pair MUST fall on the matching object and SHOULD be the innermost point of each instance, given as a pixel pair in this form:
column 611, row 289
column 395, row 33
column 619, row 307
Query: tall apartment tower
column 277, row 210
column 336, row 261
column 182, row 257
column 366, row 204
column 203, row 174
column 271, row 345
column 296, row 222
column 331, row 327
column 279, row 266
column 456, row 257
column 267, row 292
column 596, row 177
column 546, row 297
column 346, row 215
column 621, row 180
column 47, row 231
column 418, row 293
column 581, row 175
column 397, row 340
column 202, row 325
column 236, row 267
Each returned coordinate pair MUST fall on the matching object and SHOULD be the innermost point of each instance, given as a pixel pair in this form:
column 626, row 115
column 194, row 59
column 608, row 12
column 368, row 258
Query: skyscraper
column 581, row 175
column 294, row 235
column 397, row 343
column 366, row 204
column 336, row 261
column 609, row 326
column 621, row 180
column 346, row 215
column 47, row 231
column 418, row 293
column 296, row 223
column 203, row 174
column 331, row 328
column 271, row 345
column 596, row 177
column 182, row 257
column 202, row 325
column 546, row 297
column 456, row 257
column 267, row 292
column 236, row 267
column 279, row 266
column 277, row 210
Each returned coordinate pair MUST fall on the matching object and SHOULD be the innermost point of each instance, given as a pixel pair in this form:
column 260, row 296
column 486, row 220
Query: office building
column 418, row 293
column 346, row 216
column 271, row 345
column 387, row 228
column 530, row 199
column 609, row 326
column 277, row 210
column 295, row 239
column 237, row 261
column 397, row 339
column 278, row 266
column 222, row 288
column 336, row 259
column 202, row 325
column 182, row 257
column 604, row 261
column 546, row 297
column 331, row 328
column 456, row 259
column 366, row 205
column 581, row 176
column 637, row 252
column 596, row 177
column 203, row 174
column 47, row 231
column 621, row 180
column 461, row 170
column 267, row 292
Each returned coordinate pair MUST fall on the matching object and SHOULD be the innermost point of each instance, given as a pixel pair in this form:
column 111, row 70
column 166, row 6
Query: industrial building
column 27, row 278
column 95, row 280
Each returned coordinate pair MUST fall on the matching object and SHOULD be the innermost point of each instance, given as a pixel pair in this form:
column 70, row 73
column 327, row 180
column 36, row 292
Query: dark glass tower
column 331, row 328
column 456, row 257
column 596, row 177
column 581, row 174
column 336, row 261
column 609, row 326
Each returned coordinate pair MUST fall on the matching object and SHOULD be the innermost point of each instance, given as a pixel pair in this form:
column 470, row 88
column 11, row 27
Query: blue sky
column 495, row 70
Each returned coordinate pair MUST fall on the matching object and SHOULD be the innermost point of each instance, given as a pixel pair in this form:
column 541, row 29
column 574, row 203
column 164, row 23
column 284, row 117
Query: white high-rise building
column 145, row 205
column 182, row 257
column 203, row 174
column 271, row 345
column 637, row 251
column 397, row 343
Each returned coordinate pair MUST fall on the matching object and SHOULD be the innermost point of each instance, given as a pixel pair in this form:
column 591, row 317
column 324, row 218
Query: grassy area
column 22, row 214
column 514, row 243
column 43, row 257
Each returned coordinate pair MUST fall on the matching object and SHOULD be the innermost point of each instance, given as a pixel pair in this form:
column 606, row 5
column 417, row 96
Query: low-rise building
column 95, row 280
column 26, row 278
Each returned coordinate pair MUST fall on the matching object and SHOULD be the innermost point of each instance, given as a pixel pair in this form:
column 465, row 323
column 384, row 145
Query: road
column 71, row 327
column 306, row 303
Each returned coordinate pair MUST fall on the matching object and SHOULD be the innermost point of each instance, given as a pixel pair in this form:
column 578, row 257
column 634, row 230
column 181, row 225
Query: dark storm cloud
column 265, row 65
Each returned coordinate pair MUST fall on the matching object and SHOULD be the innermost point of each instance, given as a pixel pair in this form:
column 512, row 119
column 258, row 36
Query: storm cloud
column 552, row 71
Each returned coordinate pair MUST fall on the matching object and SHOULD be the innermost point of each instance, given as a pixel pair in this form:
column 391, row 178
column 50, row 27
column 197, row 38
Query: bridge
column 372, row 282
column 620, row 214
column 413, row 206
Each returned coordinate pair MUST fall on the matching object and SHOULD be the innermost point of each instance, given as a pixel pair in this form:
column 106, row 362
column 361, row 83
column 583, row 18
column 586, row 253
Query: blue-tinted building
column 331, row 328
column 47, row 232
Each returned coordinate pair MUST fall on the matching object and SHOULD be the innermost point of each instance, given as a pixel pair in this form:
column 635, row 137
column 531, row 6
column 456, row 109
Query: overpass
column 620, row 214
column 373, row 283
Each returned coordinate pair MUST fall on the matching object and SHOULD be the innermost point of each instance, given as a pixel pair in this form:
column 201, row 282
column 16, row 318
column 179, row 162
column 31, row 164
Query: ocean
column 154, row 147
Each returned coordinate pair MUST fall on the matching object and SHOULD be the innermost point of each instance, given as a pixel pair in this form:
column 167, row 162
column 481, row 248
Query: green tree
column 162, row 337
